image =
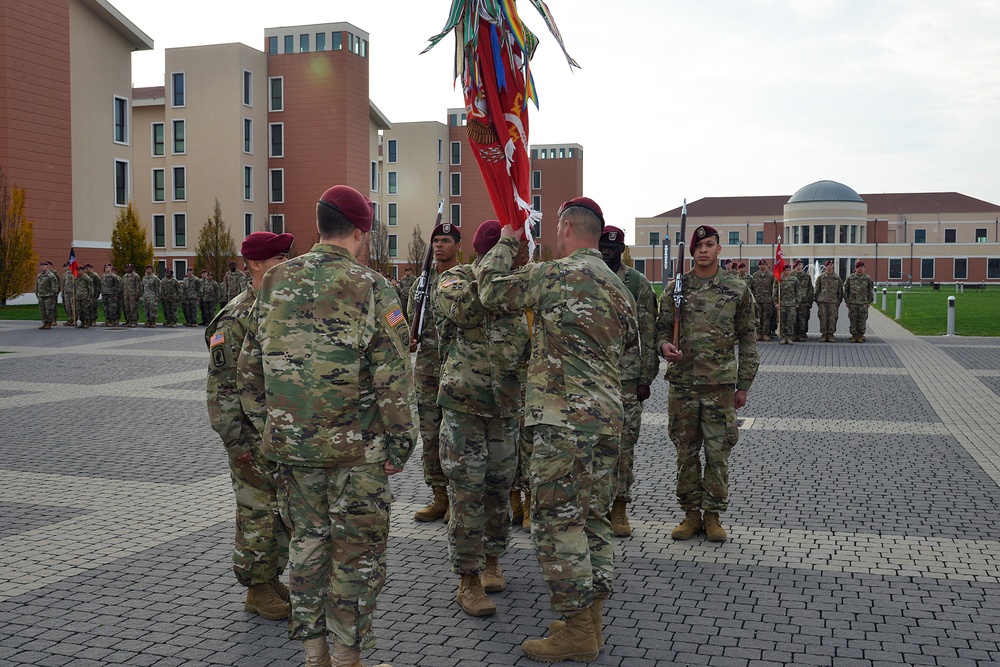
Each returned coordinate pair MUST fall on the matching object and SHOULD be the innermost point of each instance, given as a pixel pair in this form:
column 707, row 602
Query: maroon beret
column 585, row 202
column 741, row 265
column 265, row 245
column 448, row 229
column 486, row 236
column 613, row 236
column 701, row 233
column 797, row 262
column 858, row 263
column 829, row 262
column 355, row 206
column 762, row 262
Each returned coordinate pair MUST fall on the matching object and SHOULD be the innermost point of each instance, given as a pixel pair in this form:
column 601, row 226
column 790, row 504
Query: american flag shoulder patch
column 450, row 282
column 394, row 318
column 218, row 338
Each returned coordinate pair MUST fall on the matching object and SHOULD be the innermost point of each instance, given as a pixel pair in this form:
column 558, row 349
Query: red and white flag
column 779, row 261
column 73, row 266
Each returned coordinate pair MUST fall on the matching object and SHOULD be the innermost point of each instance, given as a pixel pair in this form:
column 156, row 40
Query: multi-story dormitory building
column 919, row 237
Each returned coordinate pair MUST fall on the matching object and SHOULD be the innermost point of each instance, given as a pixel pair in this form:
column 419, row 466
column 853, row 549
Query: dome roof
column 825, row 191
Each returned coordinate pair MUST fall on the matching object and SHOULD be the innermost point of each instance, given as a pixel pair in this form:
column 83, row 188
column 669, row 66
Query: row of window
column 178, row 184
column 827, row 234
column 310, row 42
column 180, row 236
column 552, row 153
column 959, row 272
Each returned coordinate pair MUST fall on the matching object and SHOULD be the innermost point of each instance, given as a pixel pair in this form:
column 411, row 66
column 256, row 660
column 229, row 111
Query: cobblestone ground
column 863, row 523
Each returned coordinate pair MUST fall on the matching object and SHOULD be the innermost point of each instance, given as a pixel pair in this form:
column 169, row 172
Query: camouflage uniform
column 69, row 298
column 150, row 298
column 231, row 285
column 83, row 289
column 132, row 292
column 717, row 317
column 209, row 299
column 96, row 280
column 805, row 301
column 786, row 293
column 829, row 294
column 583, row 320
column 47, row 291
column 404, row 287
column 244, row 279
column 859, row 292
column 483, row 354
column 763, row 294
column 191, row 291
column 325, row 376
column 170, row 291
column 261, row 550
column 111, row 286
column 427, row 379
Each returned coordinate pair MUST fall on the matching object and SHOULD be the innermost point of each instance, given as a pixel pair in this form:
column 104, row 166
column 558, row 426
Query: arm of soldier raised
column 250, row 373
column 457, row 299
column 501, row 290
column 646, row 315
column 745, row 327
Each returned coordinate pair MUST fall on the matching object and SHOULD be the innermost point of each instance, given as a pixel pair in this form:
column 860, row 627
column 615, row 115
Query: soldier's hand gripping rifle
column 679, row 278
column 420, row 296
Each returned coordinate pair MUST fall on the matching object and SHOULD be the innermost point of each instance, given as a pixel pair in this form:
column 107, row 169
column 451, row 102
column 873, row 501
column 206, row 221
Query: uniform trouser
column 571, row 473
column 340, row 526
column 93, row 311
column 789, row 319
column 68, row 306
column 132, row 309
column 112, row 309
column 170, row 311
column 430, row 428
column 261, row 549
column 802, row 319
column 703, row 419
column 828, row 314
column 764, row 318
column 83, row 311
column 479, row 458
column 208, row 308
column 525, row 445
column 190, row 311
column 149, row 305
column 48, row 307
column 857, row 313
column 624, row 476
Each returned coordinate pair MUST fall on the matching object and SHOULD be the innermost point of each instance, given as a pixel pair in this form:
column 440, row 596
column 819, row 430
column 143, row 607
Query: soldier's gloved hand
column 642, row 393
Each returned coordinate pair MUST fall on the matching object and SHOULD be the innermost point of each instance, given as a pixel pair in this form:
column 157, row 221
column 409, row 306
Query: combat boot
column 280, row 589
column 348, row 657
column 493, row 579
column 437, row 508
column 263, row 601
column 619, row 519
column 713, row 527
column 317, row 652
column 689, row 527
column 516, row 507
column 596, row 616
column 575, row 640
column 472, row 598
column 861, row 338
column 526, row 523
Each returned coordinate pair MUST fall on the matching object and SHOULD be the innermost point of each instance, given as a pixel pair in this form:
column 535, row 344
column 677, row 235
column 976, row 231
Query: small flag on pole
column 73, row 266
column 779, row 261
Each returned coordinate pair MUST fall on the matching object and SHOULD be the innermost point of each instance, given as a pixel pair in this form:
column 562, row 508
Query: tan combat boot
column 317, row 652
column 472, row 598
column 493, row 578
column 689, row 527
column 280, row 589
column 861, row 338
column 526, row 523
column 348, row 657
column 596, row 617
column 263, row 601
column 619, row 519
column 575, row 640
column 516, row 507
column 437, row 508
column 713, row 527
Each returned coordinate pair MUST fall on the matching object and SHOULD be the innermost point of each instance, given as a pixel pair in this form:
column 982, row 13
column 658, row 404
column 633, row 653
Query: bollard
column 951, row 316
column 899, row 305
column 884, row 290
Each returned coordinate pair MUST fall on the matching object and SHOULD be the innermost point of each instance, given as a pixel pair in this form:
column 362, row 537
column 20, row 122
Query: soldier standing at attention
column 83, row 289
column 763, row 294
column 111, row 285
column 786, row 293
column 638, row 370
column 707, row 381
column 584, row 318
column 96, row 280
column 405, row 283
column 446, row 240
column 47, row 292
column 805, row 301
column 261, row 547
column 69, row 298
column 191, row 298
column 209, row 297
column 132, row 291
column 483, row 354
column 231, row 284
column 744, row 276
column 150, row 296
column 325, row 375
column 859, row 292
column 829, row 294
column 170, row 291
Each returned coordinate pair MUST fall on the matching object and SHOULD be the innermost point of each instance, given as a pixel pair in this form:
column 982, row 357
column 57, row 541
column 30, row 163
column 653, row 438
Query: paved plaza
column 864, row 523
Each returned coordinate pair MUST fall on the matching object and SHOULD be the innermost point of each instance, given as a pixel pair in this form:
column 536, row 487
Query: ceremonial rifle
column 679, row 278
column 420, row 296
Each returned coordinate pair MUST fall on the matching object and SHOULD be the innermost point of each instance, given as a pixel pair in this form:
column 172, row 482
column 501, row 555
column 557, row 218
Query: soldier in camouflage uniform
column 209, row 297
column 245, row 280
column 446, row 241
column 150, row 296
column 191, row 297
column 638, row 370
column 170, row 292
column 483, row 358
column 584, row 318
column 786, row 294
column 96, row 280
column 859, row 293
column 111, row 286
column 83, row 290
column 829, row 294
column 806, row 294
column 763, row 295
column 261, row 546
column 69, row 298
column 231, row 284
column 47, row 292
column 707, row 381
column 132, row 292
column 337, row 426
column 406, row 284
column 743, row 275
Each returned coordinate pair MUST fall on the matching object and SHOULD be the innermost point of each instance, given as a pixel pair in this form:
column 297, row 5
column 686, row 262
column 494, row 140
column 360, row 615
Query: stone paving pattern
column 863, row 520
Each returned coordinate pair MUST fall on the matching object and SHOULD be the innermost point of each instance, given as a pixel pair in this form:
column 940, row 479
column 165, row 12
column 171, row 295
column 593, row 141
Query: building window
column 961, row 268
column 180, row 230
column 247, row 224
column 654, row 238
column 338, row 41
column 277, row 94
column 121, row 120
column 159, row 185
column 179, row 147
column 640, row 266
column 277, row 223
column 303, row 43
column 247, row 183
column 393, row 214
column 993, row 268
column 456, row 215
column 440, row 149
column 895, row 269
column 247, row 88
column 805, row 234
column 177, row 94
column 571, row 152
column 374, row 176
column 393, row 183
column 759, row 238
column 843, row 234
column 949, row 235
column 247, row 135
column 981, row 235
column 161, row 267
column 927, row 268
column 393, row 157
column 920, row 236
column 272, row 44
column 393, row 245
column 364, row 48
column 289, row 43
column 159, row 231
column 180, row 183
column 734, row 238
column 534, row 153
column 536, row 202
column 456, row 152
column 277, row 186
column 536, row 180
column 321, row 41
column 795, row 234
column 440, row 181
column 180, row 268
column 819, row 234
column 456, row 184
column 277, row 142
column 157, row 135
column 121, row 183
column 536, row 229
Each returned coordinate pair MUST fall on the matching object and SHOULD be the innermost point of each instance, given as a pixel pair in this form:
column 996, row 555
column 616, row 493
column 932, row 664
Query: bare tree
column 378, row 252
column 215, row 245
column 416, row 251
column 17, row 244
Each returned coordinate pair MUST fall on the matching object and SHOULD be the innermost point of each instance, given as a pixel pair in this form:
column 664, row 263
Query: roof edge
column 140, row 41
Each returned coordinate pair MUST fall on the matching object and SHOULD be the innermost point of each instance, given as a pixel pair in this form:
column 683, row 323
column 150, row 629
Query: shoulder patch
column 218, row 338
column 450, row 282
column 393, row 318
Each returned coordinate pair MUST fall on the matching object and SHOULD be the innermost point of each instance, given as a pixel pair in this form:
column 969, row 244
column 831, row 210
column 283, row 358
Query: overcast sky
column 692, row 98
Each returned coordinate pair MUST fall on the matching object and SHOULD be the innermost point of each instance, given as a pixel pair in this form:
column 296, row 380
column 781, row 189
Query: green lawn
column 31, row 313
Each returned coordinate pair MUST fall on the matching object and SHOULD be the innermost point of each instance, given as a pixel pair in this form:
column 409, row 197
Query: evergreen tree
column 129, row 243
column 216, row 247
